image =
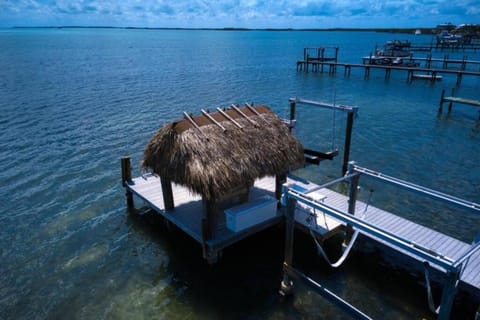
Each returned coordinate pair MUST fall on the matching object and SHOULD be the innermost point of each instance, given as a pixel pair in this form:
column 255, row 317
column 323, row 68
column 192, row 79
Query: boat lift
column 314, row 156
column 452, row 267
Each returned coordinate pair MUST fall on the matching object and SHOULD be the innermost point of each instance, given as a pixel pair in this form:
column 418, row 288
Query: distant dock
column 413, row 70
column 453, row 99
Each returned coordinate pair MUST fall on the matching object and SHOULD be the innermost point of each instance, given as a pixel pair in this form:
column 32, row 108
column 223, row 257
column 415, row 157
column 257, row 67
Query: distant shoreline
column 386, row 30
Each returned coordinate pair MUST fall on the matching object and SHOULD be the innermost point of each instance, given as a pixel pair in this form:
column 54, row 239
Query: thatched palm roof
column 211, row 161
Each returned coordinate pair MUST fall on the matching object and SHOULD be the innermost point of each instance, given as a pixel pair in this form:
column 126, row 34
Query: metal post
column 126, row 177
column 448, row 294
column 353, row 191
column 286, row 286
column 352, row 199
column 348, row 140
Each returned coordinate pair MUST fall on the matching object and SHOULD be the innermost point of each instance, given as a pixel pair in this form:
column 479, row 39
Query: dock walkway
column 411, row 71
column 189, row 210
column 451, row 99
column 419, row 235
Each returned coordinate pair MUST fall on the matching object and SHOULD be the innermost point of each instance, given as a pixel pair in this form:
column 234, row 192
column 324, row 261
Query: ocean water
column 73, row 101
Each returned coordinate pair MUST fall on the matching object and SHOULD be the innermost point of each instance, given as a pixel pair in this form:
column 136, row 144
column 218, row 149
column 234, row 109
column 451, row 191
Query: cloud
column 247, row 13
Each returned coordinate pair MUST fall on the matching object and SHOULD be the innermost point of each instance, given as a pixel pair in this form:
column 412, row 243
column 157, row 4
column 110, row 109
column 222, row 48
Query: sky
column 238, row 13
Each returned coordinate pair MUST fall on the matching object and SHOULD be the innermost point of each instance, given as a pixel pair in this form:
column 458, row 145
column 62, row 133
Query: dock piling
column 348, row 140
column 352, row 199
column 451, row 102
column 440, row 106
column 286, row 286
column 127, row 177
column 448, row 294
column 167, row 194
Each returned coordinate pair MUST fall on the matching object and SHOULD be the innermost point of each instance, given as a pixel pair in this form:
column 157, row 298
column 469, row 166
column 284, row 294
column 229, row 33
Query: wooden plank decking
column 420, row 235
column 189, row 210
column 471, row 102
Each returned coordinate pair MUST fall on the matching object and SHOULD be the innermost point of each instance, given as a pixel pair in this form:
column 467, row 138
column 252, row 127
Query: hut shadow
column 244, row 282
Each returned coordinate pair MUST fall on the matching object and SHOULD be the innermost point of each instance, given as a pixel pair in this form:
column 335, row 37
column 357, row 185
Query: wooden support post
column 451, row 102
column 434, row 76
column 428, row 61
column 286, row 286
column 409, row 76
column 367, row 72
column 167, row 194
column 387, row 73
column 348, row 140
column 332, row 68
column 440, row 106
column 126, row 177
column 448, row 294
column 464, row 63
column 280, row 179
column 208, row 227
column 459, row 78
column 292, row 115
column 445, row 61
column 336, row 54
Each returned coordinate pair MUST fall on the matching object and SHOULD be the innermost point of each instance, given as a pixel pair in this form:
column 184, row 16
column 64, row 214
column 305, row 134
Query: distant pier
column 452, row 98
column 327, row 61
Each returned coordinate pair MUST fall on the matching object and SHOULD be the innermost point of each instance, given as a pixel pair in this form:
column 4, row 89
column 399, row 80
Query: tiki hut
column 219, row 155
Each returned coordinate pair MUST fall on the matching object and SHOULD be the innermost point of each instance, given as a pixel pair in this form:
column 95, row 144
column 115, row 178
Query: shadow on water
column 244, row 283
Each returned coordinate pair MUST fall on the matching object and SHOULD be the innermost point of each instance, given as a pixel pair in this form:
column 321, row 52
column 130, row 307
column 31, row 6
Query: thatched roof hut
column 214, row 153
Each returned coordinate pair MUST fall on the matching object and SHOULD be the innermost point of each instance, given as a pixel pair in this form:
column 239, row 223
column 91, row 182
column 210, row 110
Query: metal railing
column 453, row 268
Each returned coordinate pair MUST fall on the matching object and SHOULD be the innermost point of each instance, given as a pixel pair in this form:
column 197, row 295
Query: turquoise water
column 73, row 101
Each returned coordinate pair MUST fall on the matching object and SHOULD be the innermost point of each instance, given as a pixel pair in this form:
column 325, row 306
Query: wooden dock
column 451, row 99
column 189, row 210
column 428, row 61
column 410, row 71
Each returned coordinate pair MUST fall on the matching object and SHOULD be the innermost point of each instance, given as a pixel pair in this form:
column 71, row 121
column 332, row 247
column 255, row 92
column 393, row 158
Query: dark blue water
column 73, row 101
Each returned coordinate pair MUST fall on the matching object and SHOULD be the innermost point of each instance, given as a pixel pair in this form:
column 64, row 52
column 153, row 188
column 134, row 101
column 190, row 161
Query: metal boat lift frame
column 453, row 268
column 351, row 112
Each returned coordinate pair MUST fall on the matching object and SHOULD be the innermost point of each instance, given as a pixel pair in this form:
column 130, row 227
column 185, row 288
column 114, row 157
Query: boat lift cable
column 349, row 247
